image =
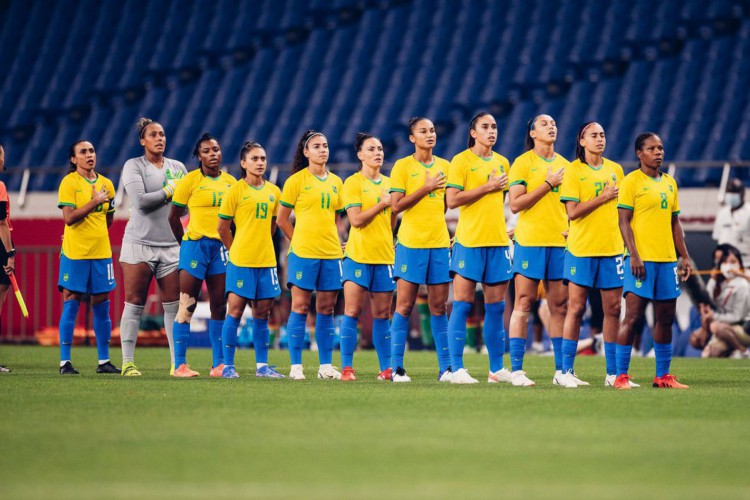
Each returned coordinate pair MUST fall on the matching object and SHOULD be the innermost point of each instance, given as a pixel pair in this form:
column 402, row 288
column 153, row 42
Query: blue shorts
column 323, row 275
column 539, row 263
column 372, row 277
column 92, row 276
column 203, row 257
column 604, row 273
column 423, row 266
column 253, row 283
column 489, row 265
column 661, row 283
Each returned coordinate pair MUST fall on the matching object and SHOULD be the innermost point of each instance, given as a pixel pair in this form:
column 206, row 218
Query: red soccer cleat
column 347, row 374
column 184, row 371
column 216, row 371
column 622, row 381
column 668, row 381
column 386, row 374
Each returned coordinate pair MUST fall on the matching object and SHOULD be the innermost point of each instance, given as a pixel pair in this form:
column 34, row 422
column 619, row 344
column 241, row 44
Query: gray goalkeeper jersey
column 148, row 224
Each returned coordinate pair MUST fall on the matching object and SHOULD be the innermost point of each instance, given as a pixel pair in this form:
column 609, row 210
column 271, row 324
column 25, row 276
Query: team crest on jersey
column 66, row 277
column 573, row 271
column 461, row 264
column 270, row 198
column 614, row 177
column 403, row 268
column 240, row 283
column 299, row 275
column 357, row 273
column 334, row 189
column 638, row 283
column 671, row 189
column 193, row 264
column 525, row 264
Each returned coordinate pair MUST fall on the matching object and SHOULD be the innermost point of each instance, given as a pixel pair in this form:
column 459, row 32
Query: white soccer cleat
column 328, row 372
column 296, row 373
column 609, row 381
column 445, row 376
column 519, row 379
column 461, row 376
column 502, row 375
column 400, row 376
column 578, row 381
column 566, row 380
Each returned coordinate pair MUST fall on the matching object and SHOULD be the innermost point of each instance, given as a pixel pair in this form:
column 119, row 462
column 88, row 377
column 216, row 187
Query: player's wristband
column 11, row 253
column 550, row 185
column 168, row 190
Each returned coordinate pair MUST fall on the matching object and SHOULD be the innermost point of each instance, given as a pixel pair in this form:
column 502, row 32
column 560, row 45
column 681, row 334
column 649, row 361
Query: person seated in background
column 723, row 325
column 732, row 225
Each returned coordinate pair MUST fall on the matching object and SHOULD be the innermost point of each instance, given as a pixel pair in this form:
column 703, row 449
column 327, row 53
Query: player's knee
column 614, row 310
column 519, row 315
column 524, row 303
column 438, row 308
column 262, row 311
column 186, row 308
column 576, row 309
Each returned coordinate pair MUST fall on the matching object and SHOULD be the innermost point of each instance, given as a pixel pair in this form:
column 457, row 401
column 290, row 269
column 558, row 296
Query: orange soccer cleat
column 622, row 381
column 669, row 381
column 348, row 374
column 184, row 371
column 216, row 371
column 386, row 374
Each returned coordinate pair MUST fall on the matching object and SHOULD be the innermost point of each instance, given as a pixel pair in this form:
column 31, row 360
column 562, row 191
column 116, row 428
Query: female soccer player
column 477, row 182
column 87, row 202
column 418, row 190
column 314, row 261
column 594, row 255
column 202, row 255
column 648, row 211
column 535, row 179
column 253, row 204
column 7, row 250
column 148, row 247
column 368, row 262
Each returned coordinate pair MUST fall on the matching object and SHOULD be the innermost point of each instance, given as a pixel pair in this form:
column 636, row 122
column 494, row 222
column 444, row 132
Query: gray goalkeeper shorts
column 161, row 260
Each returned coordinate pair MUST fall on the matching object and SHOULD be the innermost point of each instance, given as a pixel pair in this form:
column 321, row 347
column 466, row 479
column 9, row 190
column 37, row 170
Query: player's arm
column 110, row 218
column 136, row 190
column 283, row 221
column 359, row 218
column 521, row 199
column 175, row 214
column 225, row 231
column 636, row 264
column 456, row 197
column 400, row 202
column 678, row 235
column 580, row 209
column 72, row 215
column 6, row 239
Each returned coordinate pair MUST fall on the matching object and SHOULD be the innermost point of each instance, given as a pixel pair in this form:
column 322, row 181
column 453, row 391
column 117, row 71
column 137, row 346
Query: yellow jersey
column 89, row 237
column 543, row 224
column 315, row 202
column 654, row 202
column 253, row 210
column 423, row 225
column 202, row 196
column 598, row 233
column 373, row 243
column 482, row 223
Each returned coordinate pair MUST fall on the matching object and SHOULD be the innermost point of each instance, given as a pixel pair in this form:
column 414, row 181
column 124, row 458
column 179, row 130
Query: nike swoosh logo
column 79, row 190
column 414, row 175
column 246, row 198
column 583, row 178
column 645, row 189
column 475, row 169
column 534, row 169
column 202, row 187
column 307, row 187
column 366, row 191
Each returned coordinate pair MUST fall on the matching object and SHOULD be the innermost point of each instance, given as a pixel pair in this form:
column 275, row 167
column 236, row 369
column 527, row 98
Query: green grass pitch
column 104, row 436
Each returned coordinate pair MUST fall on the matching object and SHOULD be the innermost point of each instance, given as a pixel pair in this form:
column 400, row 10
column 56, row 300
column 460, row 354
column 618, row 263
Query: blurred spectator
column 732, row 224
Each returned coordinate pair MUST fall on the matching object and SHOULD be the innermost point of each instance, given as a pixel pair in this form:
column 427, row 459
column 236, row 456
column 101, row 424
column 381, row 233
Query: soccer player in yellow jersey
column 368, row 261
column 87, row 200
column 314, row 261
column 535, row 179
column 418, row 191
column 650, row 225
column 202, row 255
column 477, row 183
column 253, row 204
column 594, row 255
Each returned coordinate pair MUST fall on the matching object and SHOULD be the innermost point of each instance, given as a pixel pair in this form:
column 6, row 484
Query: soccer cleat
column 622, row 381
column 566, row 380
column 386, row 374
column 347, row 374
column 578, row 381
column 130, row 370
column 171, row 370
column 4, row 369
column 217, row 371
column 400, row 375
column 184, row 371
column 266, row 371
column 461, row 376
column 67, row 369
column 229, row 372
column 296, row 373
column 736, row 354
column 519, row 379
column 328, row 372
column 609, row 381
column 669, row 381
column 502, row 375
column 107, row 367
column 445, row 375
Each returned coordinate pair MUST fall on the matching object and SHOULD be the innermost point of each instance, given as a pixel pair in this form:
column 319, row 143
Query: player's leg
column 353, row 298
column 261, row 313
column 611, row 300
column 406, row 296
column 494, row 332
column 3, row 294
column 235, row 307
column 190, row 287
column 136, row 281
column 463, row 299
column 168, row 279
column 635, row 307
column 295, row 327
column 380, row 302
column 216, row 286
column 325, row 302
column 526, row 294
column 664, row 316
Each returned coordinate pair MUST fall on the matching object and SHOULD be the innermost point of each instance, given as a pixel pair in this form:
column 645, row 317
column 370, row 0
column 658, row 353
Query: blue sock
column 517, row 350
column 610, row 357
column 295, row 330
column 557, row 349
column 439, row 326
column 494, row 334
column 229, row 338
column 215, row 326
column 622, row 352
column 457, row 333
column 569, row 348
column 325, row 330
column 663, row 354
column 348, row 340
column 67, row 325
column 381, row 341
column 181, row 334
column 399, row 332
column 102, row 329
column 260, row 340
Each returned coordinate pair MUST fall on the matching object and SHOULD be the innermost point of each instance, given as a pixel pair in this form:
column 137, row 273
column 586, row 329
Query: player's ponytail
column 472, row 126
column 300, row 161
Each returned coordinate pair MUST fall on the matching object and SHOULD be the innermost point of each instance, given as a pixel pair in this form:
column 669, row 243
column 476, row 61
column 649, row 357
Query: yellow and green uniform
column 202, row 195
column 253, row 210
column 598, row 233
column 89, row 237
column 653, row 202
column 482, row 223
column 315, row 202
column 423, row 225
column 543, row 224
column 373, row 243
